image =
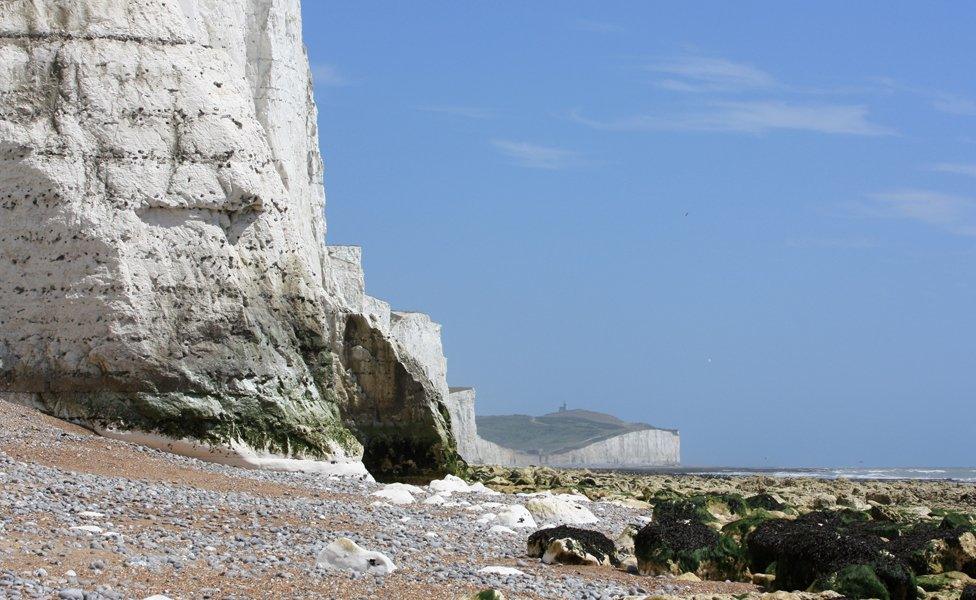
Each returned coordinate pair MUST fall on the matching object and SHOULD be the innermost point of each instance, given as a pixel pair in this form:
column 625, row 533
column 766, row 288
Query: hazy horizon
column 752, row 222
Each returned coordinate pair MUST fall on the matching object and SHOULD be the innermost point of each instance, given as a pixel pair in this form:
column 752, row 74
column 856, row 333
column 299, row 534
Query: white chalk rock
column 412, row 489
column 435, row 499
column 506, row 571
column 559, row 511
column 486, row 518
column 345, row 554
column 480, row 488
column 517, row 516
column 394, row 495
column 501, row 529
column 88, row 528
column 450, row 483
column 161, row 234
column 88, row 514
column 572, row 497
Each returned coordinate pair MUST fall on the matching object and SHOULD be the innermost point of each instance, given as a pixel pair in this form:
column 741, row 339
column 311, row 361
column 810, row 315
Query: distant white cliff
column 631, row 450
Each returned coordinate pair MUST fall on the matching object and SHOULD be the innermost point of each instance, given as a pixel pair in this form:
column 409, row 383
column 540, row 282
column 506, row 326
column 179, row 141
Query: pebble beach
column 84, row 517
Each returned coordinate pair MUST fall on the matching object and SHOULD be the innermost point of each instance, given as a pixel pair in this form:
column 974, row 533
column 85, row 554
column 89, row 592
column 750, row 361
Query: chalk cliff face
column 635, row 449
column 162, row 258
column 472, row 447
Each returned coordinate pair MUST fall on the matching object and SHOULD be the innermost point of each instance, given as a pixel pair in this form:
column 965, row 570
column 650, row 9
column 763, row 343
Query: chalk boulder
column 560, row 511
column 346, row 555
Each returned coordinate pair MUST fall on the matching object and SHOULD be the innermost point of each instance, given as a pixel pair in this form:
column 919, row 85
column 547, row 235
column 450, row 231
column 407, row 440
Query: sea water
column 967, row 474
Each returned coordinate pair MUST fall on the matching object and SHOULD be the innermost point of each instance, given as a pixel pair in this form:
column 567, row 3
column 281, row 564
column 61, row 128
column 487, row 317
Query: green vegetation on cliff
column 555, row 432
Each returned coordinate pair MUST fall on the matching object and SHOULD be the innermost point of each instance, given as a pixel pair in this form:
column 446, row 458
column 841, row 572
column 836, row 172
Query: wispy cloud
column 750, row 117
column 955, row 214
column 534, row 156
column 597, row 26
column 328, row 75
column 702, row 74
column 942, row 101
column 956, row 168
column 468, row 112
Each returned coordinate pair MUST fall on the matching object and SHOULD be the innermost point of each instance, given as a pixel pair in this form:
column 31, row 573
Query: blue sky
column 752, row 221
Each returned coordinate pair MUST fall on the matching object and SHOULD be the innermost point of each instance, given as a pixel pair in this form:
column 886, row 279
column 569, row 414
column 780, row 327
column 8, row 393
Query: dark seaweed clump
column 911, row 547
column 765, row 502
column 592, row 542
column 830, row 550
column 679, row 540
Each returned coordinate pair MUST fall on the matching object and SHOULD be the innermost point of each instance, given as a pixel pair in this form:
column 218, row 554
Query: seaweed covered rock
column 714, row 509
column 952, row 580
column 625, row 541
column 488, row 595
column 741, row 528
column 572, row 546
column 969, row 593
column 933, row 550
column 854, row 581
column 955, row 520
column 830, row 551
column 678, row 540
column 766, row 501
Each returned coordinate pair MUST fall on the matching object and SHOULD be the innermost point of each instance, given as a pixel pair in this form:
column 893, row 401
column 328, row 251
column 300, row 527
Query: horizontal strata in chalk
column 162, row 228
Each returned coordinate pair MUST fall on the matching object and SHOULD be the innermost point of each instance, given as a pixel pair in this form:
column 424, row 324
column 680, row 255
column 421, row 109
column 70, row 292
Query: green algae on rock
column 678, row 540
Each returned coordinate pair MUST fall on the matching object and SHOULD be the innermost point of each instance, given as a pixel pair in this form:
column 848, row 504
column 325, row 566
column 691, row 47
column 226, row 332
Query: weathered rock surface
column 345, row 554
column 560, row 511
column 162, row 241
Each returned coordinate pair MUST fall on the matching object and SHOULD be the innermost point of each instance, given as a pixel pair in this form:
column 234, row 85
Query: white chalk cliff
column 649, row 447
column 162, row 257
